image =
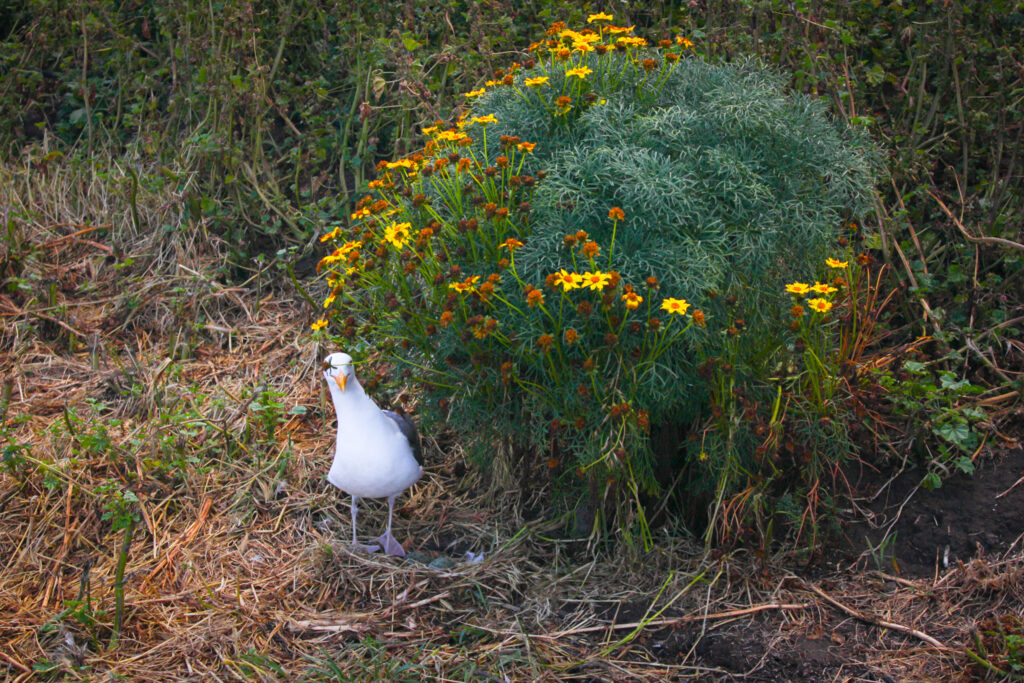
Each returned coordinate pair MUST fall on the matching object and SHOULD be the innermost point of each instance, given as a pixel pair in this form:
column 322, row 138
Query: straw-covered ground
column 197, row 407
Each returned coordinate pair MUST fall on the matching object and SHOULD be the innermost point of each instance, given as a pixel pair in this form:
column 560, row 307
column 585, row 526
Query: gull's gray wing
column 408, row 428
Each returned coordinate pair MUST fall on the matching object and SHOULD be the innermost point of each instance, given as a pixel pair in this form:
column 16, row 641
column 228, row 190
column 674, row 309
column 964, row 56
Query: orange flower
column 544, row 341
column 571, row 336
column 633, row 300
column 446, row 318
column 510, row 244
column 534, row 297
column 616, row 214
column 526, row 146
column 590, row 249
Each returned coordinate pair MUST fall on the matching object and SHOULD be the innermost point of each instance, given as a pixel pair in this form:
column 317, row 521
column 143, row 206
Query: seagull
column 377, row 454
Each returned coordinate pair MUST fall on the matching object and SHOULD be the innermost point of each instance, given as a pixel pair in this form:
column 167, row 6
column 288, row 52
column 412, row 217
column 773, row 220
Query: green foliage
column 662, row 177
column 936, row 404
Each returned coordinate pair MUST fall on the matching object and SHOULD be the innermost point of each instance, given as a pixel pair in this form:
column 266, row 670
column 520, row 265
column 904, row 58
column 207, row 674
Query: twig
column 14, row 662
column 675, row 620
column 921, row 635
column 982, row 240
column 1011, row 488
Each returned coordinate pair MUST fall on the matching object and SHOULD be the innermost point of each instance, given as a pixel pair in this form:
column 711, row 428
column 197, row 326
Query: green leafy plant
column 529, row 264
column 937, row 403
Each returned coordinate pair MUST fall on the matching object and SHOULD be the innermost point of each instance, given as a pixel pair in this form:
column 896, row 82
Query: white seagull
column 377, row 454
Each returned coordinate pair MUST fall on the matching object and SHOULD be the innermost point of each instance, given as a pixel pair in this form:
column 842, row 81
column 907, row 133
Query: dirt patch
column 919, row 533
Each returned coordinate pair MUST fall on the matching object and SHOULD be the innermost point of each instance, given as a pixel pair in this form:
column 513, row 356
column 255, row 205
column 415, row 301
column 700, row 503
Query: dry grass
column 238, row 567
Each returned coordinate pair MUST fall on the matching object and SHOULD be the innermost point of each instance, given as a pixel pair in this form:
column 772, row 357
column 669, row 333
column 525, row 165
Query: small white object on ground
column 377, row 453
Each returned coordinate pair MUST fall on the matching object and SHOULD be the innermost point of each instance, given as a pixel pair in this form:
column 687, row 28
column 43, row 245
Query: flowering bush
column 535, row 263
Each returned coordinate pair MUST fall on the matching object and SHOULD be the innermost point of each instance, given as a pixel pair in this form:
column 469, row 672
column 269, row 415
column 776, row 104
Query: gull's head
column 338, row 370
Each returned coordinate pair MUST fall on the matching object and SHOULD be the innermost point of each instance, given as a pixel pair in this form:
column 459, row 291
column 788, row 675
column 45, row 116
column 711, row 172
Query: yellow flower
column 397, row 234
column 331, row 235
column 330, row 300
column 579, row 72
column 536, row 81
column 567, row 280
column 475, row 93
column 820, row 288
column 450, row 136
column 600, row 16
column 466, row 285
column 798, row 288
column 484, row 119
column 347, row 248
column 596, row 280
column 675, row 306
column 835, row 263
column 632, row 41
column 685, row 42
column 430, row 130
column 511, row 244
column 820, row 305
column 526, row 146
column 633, row 300
column 319, row 324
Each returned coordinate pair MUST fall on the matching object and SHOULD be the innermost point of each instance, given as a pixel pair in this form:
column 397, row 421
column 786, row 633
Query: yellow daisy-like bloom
column 579, row 72
column 836, row 263
column 330, row 299
column 536, row 81
column 319, row 324
column 331, row 235
column 397, row 234
column 407, row 164
column 798, row 288
column 484, row 119
column 466, row 285
column 430, row 130
column 511, row 244
column 675, row 306
column 685, row 42
column 451, row 136
column 820, row 305
column 821, row 288
column 361, row 213
column 347, row 248
column 474, row 93
column 632, row 41
column 526, row 146
column 567, row 280
column 633, row 300
column 596, row 280
column 620, row 29
column 600, row 16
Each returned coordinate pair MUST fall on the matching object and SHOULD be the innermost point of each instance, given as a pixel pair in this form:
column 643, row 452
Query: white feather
column 372, row 458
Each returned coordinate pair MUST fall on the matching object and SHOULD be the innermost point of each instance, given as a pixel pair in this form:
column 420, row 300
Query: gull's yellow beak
column 341, row 380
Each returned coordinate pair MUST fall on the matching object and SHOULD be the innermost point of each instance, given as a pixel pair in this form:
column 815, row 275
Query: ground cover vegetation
column 656, row 338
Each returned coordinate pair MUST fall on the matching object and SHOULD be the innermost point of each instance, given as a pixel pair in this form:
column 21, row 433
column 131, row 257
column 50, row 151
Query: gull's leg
column 355, row 543
column 387, row 541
